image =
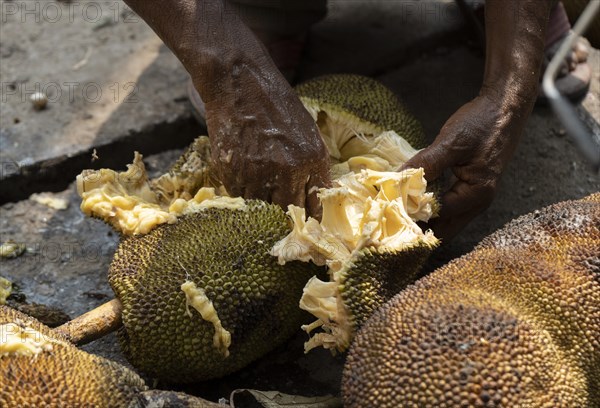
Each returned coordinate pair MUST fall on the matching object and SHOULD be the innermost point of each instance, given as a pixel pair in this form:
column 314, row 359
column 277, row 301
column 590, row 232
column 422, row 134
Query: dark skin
column 265, row 144
column 477, row 142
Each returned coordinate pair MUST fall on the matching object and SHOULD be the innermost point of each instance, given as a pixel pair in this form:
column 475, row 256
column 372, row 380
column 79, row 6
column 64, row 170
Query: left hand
column 476, row 143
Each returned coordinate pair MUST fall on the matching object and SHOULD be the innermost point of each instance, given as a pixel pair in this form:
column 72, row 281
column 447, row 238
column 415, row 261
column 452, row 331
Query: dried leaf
column 275, row 399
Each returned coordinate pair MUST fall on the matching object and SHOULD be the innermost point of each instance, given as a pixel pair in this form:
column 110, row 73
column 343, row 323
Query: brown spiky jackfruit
column 202, row 293
column 514, row 323
column 40, row 368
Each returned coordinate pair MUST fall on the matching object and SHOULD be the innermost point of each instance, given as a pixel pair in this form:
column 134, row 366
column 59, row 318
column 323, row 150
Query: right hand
column 265, row 145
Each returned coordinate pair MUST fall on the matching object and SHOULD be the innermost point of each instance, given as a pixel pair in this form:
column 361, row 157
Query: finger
column 433, row 159
column 459, row 206
column 445, row 229
column 257, row 190
column 292, row 194
column 313, row 203
column 466, row 198
column 320, row 178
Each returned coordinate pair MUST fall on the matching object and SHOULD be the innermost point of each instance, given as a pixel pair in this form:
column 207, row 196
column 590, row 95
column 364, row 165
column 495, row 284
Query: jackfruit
column 354, row 105
column 368, row 236
column 41, row 368
column 5, row 290
column 202, row 292
column 203, row 297
column 514, row 323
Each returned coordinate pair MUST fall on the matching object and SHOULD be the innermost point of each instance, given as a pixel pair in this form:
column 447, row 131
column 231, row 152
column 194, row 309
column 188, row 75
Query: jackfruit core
column 369, row 206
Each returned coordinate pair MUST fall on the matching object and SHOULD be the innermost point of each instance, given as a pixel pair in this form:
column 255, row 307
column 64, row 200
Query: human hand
column 265, row 144
column 476, row 144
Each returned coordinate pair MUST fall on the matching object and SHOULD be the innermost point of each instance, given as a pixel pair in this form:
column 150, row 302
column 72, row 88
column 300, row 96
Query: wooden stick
column 94, row 324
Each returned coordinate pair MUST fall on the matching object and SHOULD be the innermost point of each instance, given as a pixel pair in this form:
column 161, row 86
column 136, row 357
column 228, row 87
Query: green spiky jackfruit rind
column 226, row 253
column 61, row 376
column 387, row 273
column 366, row 99
column 515, row 322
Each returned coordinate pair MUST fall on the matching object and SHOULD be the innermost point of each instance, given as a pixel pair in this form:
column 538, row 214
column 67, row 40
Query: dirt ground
column 68, row 254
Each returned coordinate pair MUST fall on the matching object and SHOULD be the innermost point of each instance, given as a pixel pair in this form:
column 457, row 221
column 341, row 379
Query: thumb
column 433, row 159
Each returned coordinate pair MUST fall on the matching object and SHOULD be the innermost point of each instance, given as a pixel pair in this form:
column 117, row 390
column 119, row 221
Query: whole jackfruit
column 514, row 323
column 39, row 368
column 203, row 294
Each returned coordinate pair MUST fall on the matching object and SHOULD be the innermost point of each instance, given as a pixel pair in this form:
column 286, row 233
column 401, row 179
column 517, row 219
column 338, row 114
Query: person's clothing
column 280, row 17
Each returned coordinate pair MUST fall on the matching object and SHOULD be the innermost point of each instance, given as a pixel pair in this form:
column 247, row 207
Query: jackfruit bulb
column 514, row 323
column 210, row 282
column 39, row 368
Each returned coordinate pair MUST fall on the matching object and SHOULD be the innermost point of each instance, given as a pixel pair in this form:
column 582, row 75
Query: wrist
column 513, row 95
column 515, row 31
column 236, row 63
column 506, row 116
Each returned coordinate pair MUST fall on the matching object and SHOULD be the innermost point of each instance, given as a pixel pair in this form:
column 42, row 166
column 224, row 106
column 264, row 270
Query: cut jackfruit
column 241, row 303
column 5, row 290
column 203, row 294
column 368, row 236
column 39, row 368
column 354, row 105
column 369, row 239
column 514, row 323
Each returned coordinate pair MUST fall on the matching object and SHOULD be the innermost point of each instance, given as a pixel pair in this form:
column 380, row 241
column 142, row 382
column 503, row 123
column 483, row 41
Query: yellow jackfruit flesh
column 133, row 204
column 369, row 239
column 514, row 323
column 39, row 368
column 201, row 275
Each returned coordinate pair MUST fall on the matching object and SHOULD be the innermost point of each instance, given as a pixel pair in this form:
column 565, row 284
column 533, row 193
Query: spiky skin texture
column 366, row 99
column 62, row 377
column 226, row 253
column 388, row 273
column 514, row 323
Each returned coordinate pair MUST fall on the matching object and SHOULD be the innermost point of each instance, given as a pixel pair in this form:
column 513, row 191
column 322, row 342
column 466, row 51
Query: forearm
column 208, row 38
column 515, row 33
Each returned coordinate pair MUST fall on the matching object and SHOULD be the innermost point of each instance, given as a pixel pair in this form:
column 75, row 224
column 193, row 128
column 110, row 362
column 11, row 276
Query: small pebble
column 39, row 100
